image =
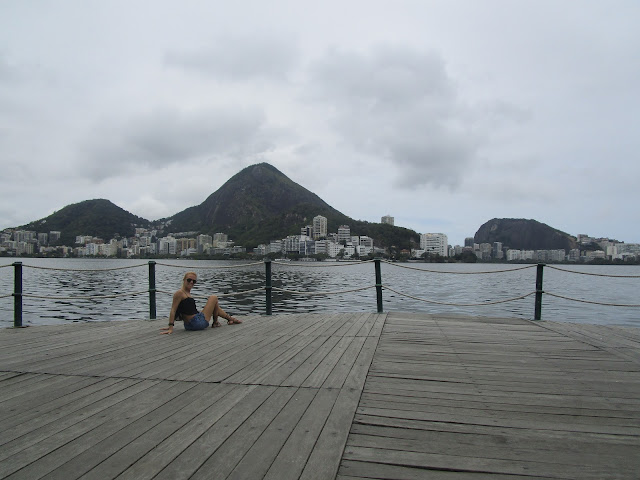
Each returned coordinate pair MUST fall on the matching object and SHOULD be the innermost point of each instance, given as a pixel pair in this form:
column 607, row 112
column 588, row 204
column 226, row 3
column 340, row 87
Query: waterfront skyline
column 441, row 115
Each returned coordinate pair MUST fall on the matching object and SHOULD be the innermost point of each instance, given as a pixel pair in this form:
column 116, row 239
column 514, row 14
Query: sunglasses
column 191, row 280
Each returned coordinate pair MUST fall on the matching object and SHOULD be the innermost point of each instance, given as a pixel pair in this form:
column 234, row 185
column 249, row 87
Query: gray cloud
column 170, row 136
column 400, row 104
column 239, row 57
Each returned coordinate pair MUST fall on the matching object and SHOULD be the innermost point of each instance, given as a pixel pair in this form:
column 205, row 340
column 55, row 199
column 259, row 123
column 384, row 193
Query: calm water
column 444, row 283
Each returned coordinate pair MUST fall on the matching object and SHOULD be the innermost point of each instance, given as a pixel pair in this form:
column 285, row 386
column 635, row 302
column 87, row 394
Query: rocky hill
column 256, row 205
column 260, row 204
column 99, row 218
column 522, row 234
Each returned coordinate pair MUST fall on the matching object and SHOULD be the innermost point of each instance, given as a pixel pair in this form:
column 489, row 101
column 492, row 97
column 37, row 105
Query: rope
column 6, row 296
column 588, row 301
column 84, row 298
column 85, row 269
column 321, row 293
column 219, row 294
column 593, row 274
column 457, row 273
column 9, row 265
column 460, row 304
column 210, row 267
column 322, row 264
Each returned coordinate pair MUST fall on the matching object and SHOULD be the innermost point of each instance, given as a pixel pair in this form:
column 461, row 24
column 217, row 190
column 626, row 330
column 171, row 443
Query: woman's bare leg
column 213, row 309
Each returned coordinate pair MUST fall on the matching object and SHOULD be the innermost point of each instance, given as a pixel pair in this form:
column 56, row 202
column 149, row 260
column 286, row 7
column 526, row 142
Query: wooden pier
column 346, row 396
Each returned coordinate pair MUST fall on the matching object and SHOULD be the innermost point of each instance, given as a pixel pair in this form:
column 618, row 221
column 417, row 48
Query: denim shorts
column 196, row 323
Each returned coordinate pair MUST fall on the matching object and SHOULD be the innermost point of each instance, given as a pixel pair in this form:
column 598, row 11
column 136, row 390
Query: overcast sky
column 443, row 114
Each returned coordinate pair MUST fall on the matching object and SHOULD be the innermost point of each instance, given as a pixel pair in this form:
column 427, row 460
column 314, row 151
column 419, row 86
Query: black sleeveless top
column 186, row 307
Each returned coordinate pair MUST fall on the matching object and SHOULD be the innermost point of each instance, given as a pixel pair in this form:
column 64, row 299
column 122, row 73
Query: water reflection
column 124, row 292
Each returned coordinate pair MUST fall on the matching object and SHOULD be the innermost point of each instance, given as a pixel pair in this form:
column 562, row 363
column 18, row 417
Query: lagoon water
column 60, row 289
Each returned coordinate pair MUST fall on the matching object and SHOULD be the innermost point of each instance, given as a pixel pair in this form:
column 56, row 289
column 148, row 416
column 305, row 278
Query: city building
column 344, row 234
column 319, row 227
column 389, row 220
column 434, row 244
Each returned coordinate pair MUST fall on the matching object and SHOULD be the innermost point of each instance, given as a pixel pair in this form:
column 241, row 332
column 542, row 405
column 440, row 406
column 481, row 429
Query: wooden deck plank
column 488, row 400
column 356, row 395
column 296, row 451
column 302, row 372
column 28, row 461
column 190, row 458
column 44, row 426
column 324, row 460
column 236, row 446
column 137, row 439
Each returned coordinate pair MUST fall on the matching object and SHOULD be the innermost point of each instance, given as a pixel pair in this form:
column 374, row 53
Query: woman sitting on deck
column 184, row 308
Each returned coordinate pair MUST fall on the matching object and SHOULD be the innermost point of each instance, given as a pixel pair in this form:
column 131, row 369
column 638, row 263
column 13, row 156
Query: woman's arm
column 177, row 298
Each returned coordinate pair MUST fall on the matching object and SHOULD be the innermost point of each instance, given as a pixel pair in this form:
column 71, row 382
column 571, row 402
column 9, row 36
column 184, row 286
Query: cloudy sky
column 443, row 114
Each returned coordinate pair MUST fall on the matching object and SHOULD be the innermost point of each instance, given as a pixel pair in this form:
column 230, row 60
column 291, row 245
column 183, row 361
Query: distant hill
column 260, row 204
column 99, row 218
column 256, row 205
column 522, row 234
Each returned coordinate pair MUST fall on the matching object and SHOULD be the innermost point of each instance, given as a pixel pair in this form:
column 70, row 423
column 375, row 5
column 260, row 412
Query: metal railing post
column 539, row 292
column 17, row 294
column 378, row 285
column 152, row 290
column 268, row 287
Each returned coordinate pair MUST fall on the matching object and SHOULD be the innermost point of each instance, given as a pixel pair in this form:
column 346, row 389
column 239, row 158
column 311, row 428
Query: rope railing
column 209, row 267
column 322, row 292
column 268, row 288
column 460, row 304
column 393, row 264
column 592, row 274
column 230, row 294
column 85, row 269
column 320, row 264
column 591, row 301
column 82, row 297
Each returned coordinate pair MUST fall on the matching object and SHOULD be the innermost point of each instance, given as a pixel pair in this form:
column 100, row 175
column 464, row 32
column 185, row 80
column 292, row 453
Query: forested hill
column 521, row 234
column 260, row 204
column 255, row 206
column 99, row 218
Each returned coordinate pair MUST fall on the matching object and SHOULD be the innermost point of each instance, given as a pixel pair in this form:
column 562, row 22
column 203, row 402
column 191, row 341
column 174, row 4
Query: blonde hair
column 189, row 273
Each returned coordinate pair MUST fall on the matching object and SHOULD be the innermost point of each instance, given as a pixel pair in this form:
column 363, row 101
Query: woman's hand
column 166, row 330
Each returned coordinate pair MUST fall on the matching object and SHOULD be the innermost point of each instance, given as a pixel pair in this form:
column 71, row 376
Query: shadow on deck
column 403, row 396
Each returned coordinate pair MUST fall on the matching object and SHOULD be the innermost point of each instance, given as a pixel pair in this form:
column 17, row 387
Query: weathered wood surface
column 454, row 398
column 319, row 397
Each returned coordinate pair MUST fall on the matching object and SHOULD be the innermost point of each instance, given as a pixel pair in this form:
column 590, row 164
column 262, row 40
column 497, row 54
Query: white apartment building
column 203, row 243
column 319, row 227
column 344, row 234
column 513, row 255
column 435, row 243
column 167, row 246
column 389, row 220
column 275, row 246
column 365, row 241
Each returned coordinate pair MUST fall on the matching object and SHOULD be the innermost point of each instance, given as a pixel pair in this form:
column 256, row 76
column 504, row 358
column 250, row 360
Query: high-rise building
column 344, row 234
column 434, row 243
column 319, row 227
column 387, row 219
column 54, row 236
column 468, row 242
column 204, row 242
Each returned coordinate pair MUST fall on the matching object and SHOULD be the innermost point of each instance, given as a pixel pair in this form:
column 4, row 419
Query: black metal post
column 17, row 294
column 378, row 285
column 539, row 292
column 268, row 287
column 152, row 290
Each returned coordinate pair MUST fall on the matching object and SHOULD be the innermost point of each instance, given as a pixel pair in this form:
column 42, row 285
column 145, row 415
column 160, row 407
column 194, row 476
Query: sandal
column 215, row 324
column 233, row 321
